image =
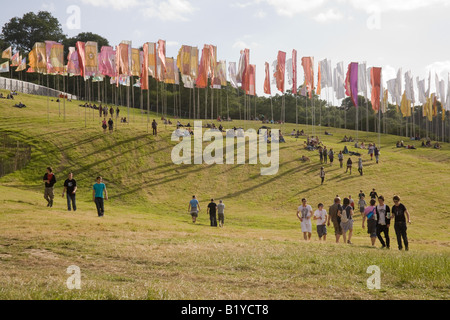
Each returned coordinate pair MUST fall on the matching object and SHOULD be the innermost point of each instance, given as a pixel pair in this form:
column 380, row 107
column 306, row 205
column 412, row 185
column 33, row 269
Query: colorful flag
column 145, row 68
column 405, row 106
column 267, row 89
column 294, row 71
column 22, row 66
column 428, row 108
column 15, row 60
column 135, row 63
column 56, row 58
column 351, row 84
column 375, row 81
column 80, row 46
column 7, row 54
column 170, row 71
column 252, row 80
column 184, row 60
column 232, row 73
column 194, row 63
column 384, row 105
column 409, row 87
column 319, row 80
column 122, row 60
column 362, row 79
column 308, row 69
column 241, row 67
column 4, row 67
column 162, row 55
column 91, row 56
column 202, row 79
column 33, row 60
column 106, row 61
column 280, row 71
column 340, row 81
column 447, row 104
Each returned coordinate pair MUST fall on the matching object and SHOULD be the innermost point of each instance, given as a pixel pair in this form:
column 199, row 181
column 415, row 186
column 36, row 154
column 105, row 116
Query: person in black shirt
column 110, row 125
column 155, row 127
column 384, row 222
column 361, row 194
column 70, row 187
column 212, row 209
column 50, row 180
column 373, row 194
column 398, row 213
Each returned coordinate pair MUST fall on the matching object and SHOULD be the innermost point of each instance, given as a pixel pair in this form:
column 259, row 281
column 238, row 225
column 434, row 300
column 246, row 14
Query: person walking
column 347, row 221
column 331, row 156
column 384, row 222
column 70, row 188
column 377, row 154
column 321, row 154
column 325, row 155
column 117, row 112
column 398, row 213
column 360, row 166
column 111, row 112
column 321, row 216
column 305, row 219
column 99, row 194
column 221, row 213
column 155, row 127
column 334, row 212
column 194, row 208
column 322, row 174
column 370, row 213
column 373, row 194
column 212, row 211
column 50, row 180
column 341, row 159
column 362, row 205
column 111, row 125
column 349, row 165
column 104, row 125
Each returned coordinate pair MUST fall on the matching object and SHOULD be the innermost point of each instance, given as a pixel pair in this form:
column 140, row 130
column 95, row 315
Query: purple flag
column 351, row 83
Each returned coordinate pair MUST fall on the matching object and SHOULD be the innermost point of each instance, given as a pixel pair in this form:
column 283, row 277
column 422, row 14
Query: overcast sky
column 411, row 34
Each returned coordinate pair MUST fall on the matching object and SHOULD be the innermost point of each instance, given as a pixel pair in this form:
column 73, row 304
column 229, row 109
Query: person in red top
column 50, row 180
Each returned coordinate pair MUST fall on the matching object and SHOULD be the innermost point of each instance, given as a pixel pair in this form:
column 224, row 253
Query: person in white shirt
column 305, row 218
column 321, row 216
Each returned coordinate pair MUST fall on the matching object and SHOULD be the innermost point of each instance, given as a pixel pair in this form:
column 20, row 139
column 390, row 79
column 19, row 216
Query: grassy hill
column 146, row 247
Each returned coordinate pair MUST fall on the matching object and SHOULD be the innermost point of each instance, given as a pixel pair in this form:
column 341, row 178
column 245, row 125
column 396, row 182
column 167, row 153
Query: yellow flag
column 7, row 54
column 135, row 63
column 405, row 106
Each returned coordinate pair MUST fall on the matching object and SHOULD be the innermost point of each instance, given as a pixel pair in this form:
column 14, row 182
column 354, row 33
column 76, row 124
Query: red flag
column 202, row 79
column 308, row 68
column 375, row 80
column 246, row 71
column 162, row 54
column 319, row 80
column 294, row 71
column 81, row 57
column 281, row 70
column 267, row 89
column 144, row 68
column 252, row 80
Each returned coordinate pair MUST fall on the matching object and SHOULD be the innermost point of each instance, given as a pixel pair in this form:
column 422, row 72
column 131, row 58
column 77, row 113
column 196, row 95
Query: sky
column 392, row 34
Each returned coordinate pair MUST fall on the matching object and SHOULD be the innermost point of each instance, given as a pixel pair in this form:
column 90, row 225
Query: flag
column 375, row 81
column 242, row 65
column 289, row 71
column 22, row 66
column 435, row 106
column 80, row 46
column 294, row 71
column 188, row 81
column 41, row 57
column 33, row 60
column 232, row 73
column 194, row 63
column 135, row 63
column 280, row 71
column 162, row 55
column 106, row 61
column 319, row 80
column 428, row 108
column 351, row 83
column 308, row 69
column 15, row 60
column 429, row 85
column 398, row 87
column 4, row 67
column 447, row 104
column 405, row 106
column 213, row 62
column 7, row 54
column 267, row 89
column 436, row 83
column 323, row 73
column 252, row 80
column 221, row 74
column 202, row 79
column 122, row 60
column 340, row 78
column 362, row 79
column 151, row 59
column 184, row 60
column 245, row 63
column 391, row 89
column 421, row 90
column 57, row 58
column 409, row 87
column 170, row 71
column 384, row 105
column 91, row 56
column 144, row 67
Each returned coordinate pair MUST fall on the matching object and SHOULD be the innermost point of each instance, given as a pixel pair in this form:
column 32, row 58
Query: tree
column 85, row 37
column 23, row 33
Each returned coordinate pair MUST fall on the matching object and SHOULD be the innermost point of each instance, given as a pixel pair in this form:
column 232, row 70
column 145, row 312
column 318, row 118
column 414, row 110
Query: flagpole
column 64, row 96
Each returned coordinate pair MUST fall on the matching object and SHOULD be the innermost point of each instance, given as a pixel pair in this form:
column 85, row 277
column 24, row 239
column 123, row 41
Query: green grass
column 147, row 248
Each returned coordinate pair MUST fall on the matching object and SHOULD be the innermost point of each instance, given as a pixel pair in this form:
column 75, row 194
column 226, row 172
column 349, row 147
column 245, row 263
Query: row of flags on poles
column 123, row 62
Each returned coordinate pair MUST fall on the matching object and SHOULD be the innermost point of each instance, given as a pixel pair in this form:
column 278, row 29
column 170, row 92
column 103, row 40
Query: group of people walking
column 213, row 210
column 70, row 190
column 378, row 217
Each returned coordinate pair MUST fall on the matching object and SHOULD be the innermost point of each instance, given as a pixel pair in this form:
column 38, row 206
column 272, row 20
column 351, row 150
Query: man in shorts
column 334, row 210
column 50, row 180
column 221, row 212
column 305, row 219
column 321, row 216
column 194, row 208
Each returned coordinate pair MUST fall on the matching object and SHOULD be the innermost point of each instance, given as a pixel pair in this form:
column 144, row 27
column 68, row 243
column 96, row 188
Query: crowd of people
column 342, row 216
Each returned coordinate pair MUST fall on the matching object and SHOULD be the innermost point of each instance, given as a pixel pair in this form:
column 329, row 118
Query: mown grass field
column 146, row 246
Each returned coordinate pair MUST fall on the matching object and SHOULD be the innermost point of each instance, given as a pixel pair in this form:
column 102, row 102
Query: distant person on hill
column 221, row 212
column 377, row 154
column 347, row 221
column 384, row 222
column 117, row 112
column 334, row 213
column 371, row 150
column 360, row 166
column 321, row 216
column 111, row 112
column 104, row 125
column 155, row 127
column 111, row 125
column 325, row 155
column 50, row 180
column 321, row 154
column 331, row 156
column 398, row 213
column 100, row 111
column 341, row 159
column 212, row 211
column 373, row 194
column 362, row 205
column 105, row 111
column 305, row 219
column 349, row 165
column 322, row 175
column 361, row 194
column 352, row 202
column 370, row 213
column 99, row 189
column 194, row 208
column 345, row 151
column 70, row 188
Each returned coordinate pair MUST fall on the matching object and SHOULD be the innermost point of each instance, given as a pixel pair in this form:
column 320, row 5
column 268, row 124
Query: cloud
column 329, row 16
column 239, row 44
column 165, row 10
column 260, row 14
column 371, row 6
column 441, row 68
column 50, row 7
column 290, row 8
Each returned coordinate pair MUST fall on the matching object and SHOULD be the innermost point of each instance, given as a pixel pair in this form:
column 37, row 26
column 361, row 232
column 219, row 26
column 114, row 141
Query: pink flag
column 162, row 54
column 294, row 71
column 267, row 89
column 375, row 80
column 81, row 57
column 252, row 80
column 280, row 71
column 308, row 68
column 106, row 62
column 351, row 83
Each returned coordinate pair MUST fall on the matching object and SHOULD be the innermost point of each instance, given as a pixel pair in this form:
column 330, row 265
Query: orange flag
column 267, row 89
column 252, row 80
column 375, row 80
column 144, row 69
column 135, row 63
column 319, row 81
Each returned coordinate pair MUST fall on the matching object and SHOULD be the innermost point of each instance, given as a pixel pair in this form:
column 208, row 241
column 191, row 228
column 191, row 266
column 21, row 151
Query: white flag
column 362, row 79
column 409, row 87
column 290, row 71
column 398, row 87
column 391, row 89
column 232, row 72
column 340, row 75
column 442, row 91
column 421, row 90
column 447, row 104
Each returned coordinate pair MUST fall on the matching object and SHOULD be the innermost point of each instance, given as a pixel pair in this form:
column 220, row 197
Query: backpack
column 344, row 217
column 372, row 215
